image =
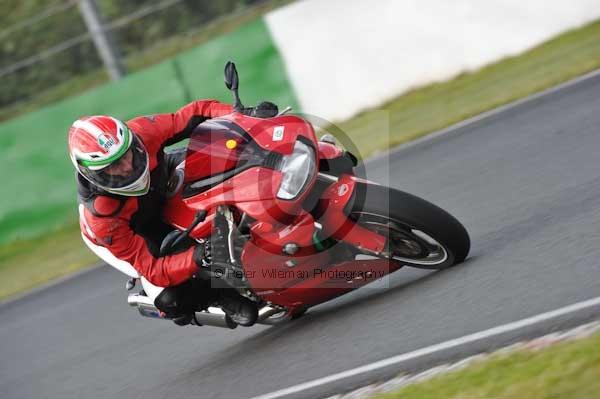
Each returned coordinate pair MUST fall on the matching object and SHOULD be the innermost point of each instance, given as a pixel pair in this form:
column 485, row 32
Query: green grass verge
column 564, row 370
column 436, row 106
column 27, row 263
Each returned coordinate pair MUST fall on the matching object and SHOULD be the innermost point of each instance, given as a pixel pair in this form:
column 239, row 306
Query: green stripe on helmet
column 112, row 158
column 129, row 193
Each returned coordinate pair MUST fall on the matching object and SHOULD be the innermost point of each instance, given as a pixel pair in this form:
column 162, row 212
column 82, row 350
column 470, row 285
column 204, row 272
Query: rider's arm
column 166, row 129
column 115, row 234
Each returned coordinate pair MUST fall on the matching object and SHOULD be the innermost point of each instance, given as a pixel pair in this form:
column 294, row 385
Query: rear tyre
column 419, row 233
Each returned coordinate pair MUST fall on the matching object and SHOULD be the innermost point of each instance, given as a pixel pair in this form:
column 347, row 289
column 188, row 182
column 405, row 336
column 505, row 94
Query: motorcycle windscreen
column 217, row 151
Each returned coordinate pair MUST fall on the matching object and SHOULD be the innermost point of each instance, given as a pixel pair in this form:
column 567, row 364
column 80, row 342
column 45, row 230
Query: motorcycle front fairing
column 234, row 161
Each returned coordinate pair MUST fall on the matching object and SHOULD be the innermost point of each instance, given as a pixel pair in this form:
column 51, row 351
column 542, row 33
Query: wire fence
column 52, row 45
column 48, row 12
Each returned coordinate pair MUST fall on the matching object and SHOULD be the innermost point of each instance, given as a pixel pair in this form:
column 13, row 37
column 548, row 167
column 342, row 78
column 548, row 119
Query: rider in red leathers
column 122, row 179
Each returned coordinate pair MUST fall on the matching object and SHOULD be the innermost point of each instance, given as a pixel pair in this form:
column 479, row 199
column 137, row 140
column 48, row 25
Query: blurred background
column 425, row 64
column 383, row 73
column 48, row 50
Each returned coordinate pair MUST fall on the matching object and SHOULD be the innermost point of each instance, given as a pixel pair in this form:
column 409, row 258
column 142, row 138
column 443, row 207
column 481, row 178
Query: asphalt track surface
column 526, row 184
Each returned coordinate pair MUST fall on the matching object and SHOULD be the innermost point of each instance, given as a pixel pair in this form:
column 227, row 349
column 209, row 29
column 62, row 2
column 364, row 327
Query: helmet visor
column 123, row 172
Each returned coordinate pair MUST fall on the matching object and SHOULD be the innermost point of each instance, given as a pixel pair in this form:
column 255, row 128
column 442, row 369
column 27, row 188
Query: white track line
column 513, row 326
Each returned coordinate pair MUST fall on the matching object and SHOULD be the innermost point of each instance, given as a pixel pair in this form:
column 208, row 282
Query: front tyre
column 419, row 233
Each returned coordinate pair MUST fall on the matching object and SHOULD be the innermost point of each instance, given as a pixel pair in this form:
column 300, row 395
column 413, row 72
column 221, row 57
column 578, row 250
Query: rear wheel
column 419, row 233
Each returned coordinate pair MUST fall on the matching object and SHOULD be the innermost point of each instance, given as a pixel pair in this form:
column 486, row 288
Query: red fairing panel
column 336, row 223
column 329, row 151
column 267, row 267
column 253, row 191
column 275, row 134
column 213, row 149
column 325, row 283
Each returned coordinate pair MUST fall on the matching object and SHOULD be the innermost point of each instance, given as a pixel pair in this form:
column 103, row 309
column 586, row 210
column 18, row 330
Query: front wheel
column 419, row 233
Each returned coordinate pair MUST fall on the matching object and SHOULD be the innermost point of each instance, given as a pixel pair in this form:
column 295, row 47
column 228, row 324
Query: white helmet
column 109, row 155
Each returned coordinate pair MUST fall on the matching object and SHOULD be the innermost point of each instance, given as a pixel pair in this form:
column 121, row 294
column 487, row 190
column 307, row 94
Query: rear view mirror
column 231, row 76
column 231, row 81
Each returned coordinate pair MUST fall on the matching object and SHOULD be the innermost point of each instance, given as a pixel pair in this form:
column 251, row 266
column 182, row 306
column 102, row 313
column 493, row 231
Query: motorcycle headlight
column 297, row 169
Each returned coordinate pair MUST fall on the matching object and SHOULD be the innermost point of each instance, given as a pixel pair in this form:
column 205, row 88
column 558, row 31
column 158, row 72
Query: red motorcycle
column 303, row 228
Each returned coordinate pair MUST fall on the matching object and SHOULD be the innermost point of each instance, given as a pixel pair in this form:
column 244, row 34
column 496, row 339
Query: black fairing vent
column 338, row 166
column 272, row 160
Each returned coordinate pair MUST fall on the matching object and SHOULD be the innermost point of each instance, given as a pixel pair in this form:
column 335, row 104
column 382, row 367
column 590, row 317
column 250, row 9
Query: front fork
column 335, row 206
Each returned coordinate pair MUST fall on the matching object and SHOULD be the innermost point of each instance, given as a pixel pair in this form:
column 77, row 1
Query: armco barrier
column 38, row 179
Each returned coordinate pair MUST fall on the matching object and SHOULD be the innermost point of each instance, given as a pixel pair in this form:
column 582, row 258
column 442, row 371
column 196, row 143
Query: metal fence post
column 105, row 46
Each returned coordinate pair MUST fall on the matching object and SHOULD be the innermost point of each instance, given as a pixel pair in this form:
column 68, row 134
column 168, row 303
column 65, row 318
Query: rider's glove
column 202, row 255
column 265, row 109
column 209, row 268
column 213, row 257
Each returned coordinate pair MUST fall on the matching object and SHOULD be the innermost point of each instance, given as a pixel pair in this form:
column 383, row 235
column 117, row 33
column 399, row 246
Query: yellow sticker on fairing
column 231, row 144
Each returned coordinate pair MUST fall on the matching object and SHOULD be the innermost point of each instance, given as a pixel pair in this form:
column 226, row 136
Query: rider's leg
column 239, row 308
column 172, row 301
column 179, row 302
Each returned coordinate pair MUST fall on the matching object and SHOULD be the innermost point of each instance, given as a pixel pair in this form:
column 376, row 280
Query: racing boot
column 183, row 320
column 240, row 309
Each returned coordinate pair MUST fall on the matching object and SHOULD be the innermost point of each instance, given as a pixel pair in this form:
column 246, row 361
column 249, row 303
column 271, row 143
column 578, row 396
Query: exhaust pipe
column 267, row 311
column 211, row 317
column 145, row 306
column 273, row 315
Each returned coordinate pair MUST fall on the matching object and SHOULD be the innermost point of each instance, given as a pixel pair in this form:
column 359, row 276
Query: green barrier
column 39, row 182
column 261, row 69
column 38, row 176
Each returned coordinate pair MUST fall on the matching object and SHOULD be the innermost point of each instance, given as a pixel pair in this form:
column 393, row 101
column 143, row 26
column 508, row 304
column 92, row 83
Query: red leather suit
column 124, row 225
